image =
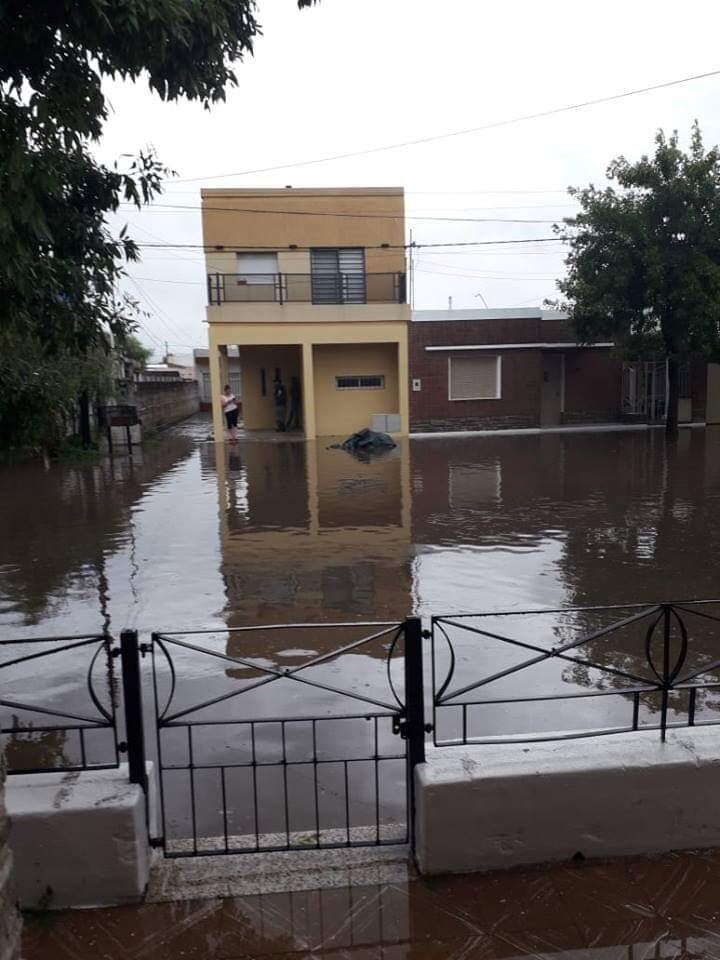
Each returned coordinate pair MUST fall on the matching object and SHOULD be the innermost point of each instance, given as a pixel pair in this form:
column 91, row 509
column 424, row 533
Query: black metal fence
column 574, row 672
column 236, row 776
column 43, row 733
column 251, row 756
column 316, row 288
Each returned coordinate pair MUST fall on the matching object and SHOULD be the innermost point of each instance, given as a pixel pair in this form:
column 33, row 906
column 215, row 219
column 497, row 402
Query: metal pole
column 132, row 696
column 666, row 672
column 414, row 712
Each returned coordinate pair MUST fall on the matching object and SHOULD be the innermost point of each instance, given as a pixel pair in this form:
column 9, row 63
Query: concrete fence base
column 79, row 839
column 9, row 917
column 491, row 807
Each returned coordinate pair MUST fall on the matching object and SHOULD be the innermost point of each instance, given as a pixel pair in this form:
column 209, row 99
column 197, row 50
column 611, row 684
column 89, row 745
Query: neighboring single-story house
column 516, row 368
column 201, row 362
column 173, row 363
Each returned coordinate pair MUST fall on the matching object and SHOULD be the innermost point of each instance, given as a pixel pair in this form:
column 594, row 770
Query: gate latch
column 400, row 726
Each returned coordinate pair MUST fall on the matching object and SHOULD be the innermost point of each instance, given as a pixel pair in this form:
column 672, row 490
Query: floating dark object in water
column 366, row 442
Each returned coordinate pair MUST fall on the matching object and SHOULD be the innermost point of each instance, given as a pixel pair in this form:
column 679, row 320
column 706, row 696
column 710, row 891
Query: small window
column 263, row 382
column 474, row 378
column 253, row 268
column 361, row 382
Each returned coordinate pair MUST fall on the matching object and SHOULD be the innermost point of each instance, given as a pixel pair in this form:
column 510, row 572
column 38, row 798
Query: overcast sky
column 354, row 74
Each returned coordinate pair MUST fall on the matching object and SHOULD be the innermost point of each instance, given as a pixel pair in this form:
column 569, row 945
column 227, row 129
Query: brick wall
column 160, row 404
column 9, row 917
column 593, row 385
column 431, row 409
column 593, row 377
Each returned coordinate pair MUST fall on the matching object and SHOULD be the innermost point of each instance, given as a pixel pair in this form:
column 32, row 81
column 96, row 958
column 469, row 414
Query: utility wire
column 344, row 216
column 467, row 276
column 272, row 192
column 219, row 248
column 459, row 133
column 161, row 315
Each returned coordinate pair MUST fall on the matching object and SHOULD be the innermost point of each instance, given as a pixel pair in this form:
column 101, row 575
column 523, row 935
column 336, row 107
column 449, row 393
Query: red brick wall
column 593, row 384
column 431, row 409
column 593, row 378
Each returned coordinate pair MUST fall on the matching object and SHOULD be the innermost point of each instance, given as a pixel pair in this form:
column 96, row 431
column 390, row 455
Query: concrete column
column 9, row 917
column 216, row 385
column 308, row 392
column 403, row 383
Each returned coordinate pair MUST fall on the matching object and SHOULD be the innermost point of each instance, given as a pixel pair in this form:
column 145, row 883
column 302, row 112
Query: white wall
column 491, row 807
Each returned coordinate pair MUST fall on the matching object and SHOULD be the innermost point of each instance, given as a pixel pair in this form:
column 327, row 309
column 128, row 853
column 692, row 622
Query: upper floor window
column 338, row 275
column 253, row 268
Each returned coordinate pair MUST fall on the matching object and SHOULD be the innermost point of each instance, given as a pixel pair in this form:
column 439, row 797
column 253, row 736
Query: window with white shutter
column 474, row 377
column 254, row 268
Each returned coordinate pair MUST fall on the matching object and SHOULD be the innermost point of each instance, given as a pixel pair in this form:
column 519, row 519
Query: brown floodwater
column 190, row 536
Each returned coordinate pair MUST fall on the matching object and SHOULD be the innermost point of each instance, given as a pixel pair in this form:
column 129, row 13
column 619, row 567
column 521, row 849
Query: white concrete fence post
column 9, row 917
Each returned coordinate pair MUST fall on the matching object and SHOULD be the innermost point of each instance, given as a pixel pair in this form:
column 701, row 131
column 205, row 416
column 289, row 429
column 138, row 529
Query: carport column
column 308, row 392
column 216, row 384
column 403, row 382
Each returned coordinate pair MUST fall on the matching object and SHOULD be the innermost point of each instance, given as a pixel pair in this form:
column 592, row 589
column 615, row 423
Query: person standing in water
column 228, row 400
column 294, row 415
column 280, row 399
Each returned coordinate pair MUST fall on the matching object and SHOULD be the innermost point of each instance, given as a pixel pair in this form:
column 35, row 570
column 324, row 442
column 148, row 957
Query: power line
column 344, row 216
column 450, row 270
column 468, row 193
column 191, row 283
column 390, row 246
column 469, row 276
column 268, row 193
column 136, row 226
column 459, row 133
column 161, row 315
column 272, row 192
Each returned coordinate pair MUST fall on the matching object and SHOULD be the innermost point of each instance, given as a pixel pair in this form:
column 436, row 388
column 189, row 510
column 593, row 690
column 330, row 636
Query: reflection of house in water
column 309, row 533
column 585, row 519
column 605, row 497
column 28, row 750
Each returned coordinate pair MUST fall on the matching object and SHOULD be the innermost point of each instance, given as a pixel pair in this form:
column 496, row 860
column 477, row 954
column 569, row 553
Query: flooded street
column 286, row 532
column 189, row 537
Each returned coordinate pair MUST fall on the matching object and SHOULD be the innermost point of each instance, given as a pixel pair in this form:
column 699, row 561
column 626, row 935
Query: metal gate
column 253, row 756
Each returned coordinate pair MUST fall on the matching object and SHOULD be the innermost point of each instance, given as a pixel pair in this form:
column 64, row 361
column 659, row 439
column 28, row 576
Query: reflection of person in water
column 280, row 399
column 294, row 415
column 234, row 473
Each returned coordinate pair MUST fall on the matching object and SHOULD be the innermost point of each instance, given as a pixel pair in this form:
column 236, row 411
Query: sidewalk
column 624, row 909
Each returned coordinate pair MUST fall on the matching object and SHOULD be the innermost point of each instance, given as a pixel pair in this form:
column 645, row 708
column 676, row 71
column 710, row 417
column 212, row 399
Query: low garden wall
column 161, row 404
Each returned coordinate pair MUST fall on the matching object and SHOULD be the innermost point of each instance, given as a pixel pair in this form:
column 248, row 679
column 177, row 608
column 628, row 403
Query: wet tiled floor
column 630, row 909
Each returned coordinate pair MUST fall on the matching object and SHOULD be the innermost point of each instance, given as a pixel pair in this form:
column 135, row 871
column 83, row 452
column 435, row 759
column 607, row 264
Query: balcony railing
column 319, row 288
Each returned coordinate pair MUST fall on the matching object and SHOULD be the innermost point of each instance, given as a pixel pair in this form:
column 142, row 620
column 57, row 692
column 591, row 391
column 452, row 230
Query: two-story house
column 309, row 285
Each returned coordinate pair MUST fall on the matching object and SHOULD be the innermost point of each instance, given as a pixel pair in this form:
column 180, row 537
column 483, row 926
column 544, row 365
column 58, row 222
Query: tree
column 644, row 261
column 133, row 350
column 39, row 388
column 59, row 262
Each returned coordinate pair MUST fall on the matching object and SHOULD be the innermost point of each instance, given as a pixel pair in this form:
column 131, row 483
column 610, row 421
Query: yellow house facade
column 309, row 285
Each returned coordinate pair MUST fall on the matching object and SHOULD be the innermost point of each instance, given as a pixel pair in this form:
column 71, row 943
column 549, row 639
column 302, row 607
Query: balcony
column 317, row 288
